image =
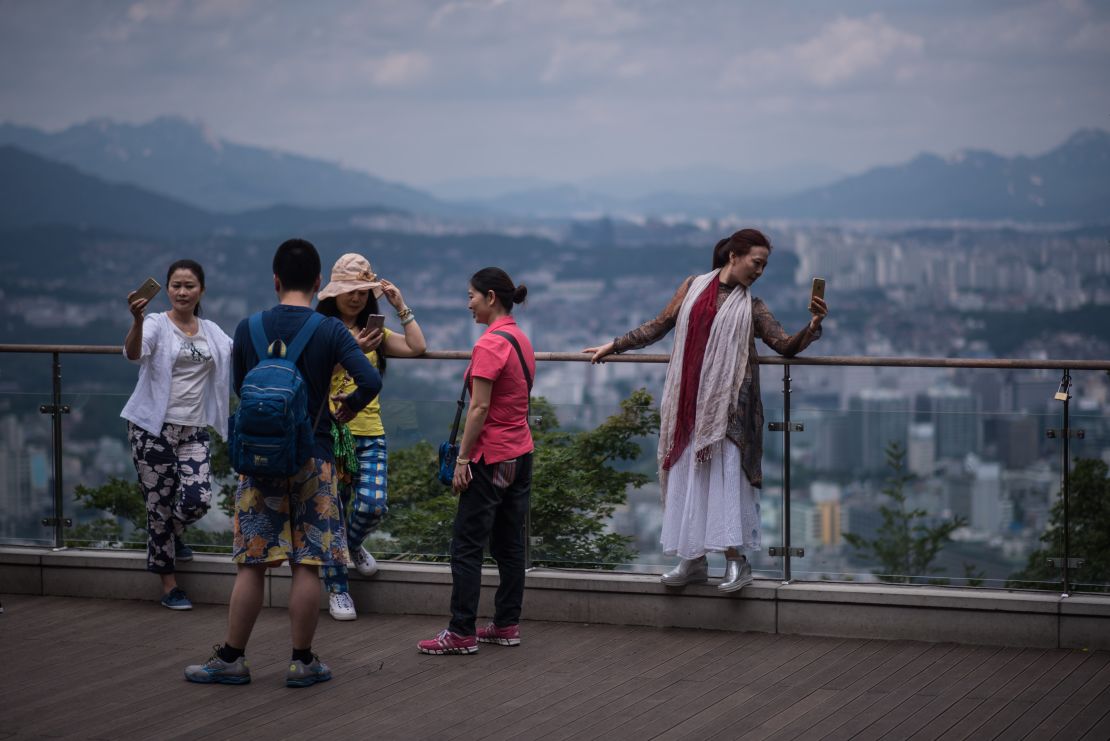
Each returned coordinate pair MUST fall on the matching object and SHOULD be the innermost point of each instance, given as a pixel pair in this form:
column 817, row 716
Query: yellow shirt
column 368, row 422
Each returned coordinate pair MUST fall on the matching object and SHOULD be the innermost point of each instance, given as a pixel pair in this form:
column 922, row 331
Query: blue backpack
column 270, row 434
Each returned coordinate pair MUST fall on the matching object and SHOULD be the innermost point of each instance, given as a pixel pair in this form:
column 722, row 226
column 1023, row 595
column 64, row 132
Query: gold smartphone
column 375, row 321
column 148, row 290
column 817, row 291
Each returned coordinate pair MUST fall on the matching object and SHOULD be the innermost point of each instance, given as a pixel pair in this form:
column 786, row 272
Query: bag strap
column 519, row 354
column 459, row 410
column 265, row 349
column 258, row 336
column 304, row 334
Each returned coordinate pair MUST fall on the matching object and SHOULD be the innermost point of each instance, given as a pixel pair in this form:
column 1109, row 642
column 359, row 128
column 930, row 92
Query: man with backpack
column 280, row 441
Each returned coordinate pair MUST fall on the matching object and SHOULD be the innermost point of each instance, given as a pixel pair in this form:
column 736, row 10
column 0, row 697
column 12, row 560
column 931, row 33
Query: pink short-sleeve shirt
column 505, row 435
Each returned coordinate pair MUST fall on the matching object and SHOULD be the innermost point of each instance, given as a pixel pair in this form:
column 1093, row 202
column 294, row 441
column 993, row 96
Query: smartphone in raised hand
column 817, row 291
column 148, row 290
column 375, row 321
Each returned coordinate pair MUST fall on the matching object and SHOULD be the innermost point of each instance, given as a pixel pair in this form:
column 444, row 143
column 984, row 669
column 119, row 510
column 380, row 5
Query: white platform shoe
column 688, row 571
column 738, row 574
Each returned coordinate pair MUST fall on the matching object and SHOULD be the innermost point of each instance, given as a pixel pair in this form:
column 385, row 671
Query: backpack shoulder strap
column 519, row 354
column 258, row 336
column 304, row 334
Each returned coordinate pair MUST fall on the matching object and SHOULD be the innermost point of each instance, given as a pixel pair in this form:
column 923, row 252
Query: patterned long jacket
column 745, row 425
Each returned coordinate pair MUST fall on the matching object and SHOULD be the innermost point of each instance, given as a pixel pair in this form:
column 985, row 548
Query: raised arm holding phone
column 709, row 456
column 184, row 368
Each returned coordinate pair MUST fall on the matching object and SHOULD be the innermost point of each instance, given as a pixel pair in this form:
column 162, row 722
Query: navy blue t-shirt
column 331, row 345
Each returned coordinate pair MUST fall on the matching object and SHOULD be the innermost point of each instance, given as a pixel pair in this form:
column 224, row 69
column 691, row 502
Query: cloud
column 398, row 69
column 845, row 50
column 583, row 60
column 849, row 47
column 1091, row 37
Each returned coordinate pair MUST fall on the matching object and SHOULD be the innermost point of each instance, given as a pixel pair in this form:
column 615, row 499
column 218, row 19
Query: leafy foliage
column 421, row 509
column 124, row 500
column 575, row 488
column 905, row 545
column 120, row 497
column 1089, row 515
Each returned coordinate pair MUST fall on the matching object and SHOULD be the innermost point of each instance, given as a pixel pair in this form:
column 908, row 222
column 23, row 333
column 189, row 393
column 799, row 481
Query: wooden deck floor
column 104, row 669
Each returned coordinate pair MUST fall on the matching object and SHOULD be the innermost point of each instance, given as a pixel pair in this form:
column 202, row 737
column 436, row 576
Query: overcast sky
column 422, row 91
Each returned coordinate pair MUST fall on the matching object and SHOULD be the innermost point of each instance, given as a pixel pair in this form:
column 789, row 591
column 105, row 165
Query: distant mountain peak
column 1087, row 137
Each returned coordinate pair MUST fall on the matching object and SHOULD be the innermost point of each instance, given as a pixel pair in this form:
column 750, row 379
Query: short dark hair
column 192, row 266
column 740, row 243
column 297, row 265
column 498, row 281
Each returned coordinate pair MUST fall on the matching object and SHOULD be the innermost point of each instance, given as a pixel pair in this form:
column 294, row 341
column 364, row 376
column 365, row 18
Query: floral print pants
column 173, row 469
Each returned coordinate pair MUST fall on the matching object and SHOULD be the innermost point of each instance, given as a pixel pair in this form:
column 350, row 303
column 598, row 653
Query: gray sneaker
column 218, row 671
column 301, row 674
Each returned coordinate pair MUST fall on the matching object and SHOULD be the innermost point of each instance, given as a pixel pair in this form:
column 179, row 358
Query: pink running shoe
column 449, row 643
column 507, row 636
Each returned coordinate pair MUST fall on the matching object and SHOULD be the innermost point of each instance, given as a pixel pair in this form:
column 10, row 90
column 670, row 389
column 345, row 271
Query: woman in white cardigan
column 183, row 389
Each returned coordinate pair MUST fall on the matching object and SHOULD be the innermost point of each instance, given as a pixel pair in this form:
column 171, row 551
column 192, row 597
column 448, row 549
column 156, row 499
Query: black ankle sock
column 229, row 653
column 303, row 655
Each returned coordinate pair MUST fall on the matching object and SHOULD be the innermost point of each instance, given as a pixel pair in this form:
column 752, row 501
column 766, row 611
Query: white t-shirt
column 191, row 366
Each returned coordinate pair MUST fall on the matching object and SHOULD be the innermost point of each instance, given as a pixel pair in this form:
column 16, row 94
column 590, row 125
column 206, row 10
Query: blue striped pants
column 364, row 502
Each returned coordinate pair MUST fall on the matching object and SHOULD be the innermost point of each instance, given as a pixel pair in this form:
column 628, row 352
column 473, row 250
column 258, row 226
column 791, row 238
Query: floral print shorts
column 295, row 519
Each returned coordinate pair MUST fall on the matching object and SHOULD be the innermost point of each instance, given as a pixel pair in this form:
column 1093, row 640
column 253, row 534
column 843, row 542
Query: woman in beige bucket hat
column 352, row 296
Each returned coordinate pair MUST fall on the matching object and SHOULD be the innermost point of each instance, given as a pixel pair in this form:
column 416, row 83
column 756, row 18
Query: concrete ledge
column 904, row 612
column 935, row 614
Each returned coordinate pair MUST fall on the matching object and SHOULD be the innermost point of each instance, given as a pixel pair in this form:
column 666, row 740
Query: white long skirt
column 710, row 506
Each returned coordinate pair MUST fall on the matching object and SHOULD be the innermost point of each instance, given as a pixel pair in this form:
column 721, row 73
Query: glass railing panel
column 595, row 494
column 26, row 455
column 26, row 462
column 974, row 453
column 1088, row 483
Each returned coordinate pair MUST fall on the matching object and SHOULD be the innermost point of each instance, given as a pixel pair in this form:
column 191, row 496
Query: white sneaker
column 364, row 562
column 341, row 606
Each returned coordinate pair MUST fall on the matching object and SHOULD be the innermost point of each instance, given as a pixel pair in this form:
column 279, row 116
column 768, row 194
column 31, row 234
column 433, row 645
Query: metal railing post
column 1064, row 493
column 1067, row 563
column 786, row 551
column 786, row 472
column 55, row 409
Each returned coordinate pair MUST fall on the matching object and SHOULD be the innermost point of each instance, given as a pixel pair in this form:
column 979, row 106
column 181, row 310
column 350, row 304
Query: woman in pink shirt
column 493, row 473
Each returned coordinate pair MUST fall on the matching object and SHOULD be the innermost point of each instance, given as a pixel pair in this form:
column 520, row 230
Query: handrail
column 578, row 357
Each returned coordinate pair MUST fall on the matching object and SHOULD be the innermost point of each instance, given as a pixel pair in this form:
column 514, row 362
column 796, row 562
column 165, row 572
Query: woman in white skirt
column 711, row 428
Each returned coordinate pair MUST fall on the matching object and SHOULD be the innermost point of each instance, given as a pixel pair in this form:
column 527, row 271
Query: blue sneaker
column 176, row 599
column 181, row 552
column 218, row 671
column 301, row 674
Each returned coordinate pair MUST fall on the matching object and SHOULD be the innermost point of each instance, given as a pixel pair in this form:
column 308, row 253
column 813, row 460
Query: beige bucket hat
column 351, row 272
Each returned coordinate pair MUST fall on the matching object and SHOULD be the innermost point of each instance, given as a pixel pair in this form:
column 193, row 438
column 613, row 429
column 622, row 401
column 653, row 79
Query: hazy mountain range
column 39, row 192
column 173, row 177
column 184, row 160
